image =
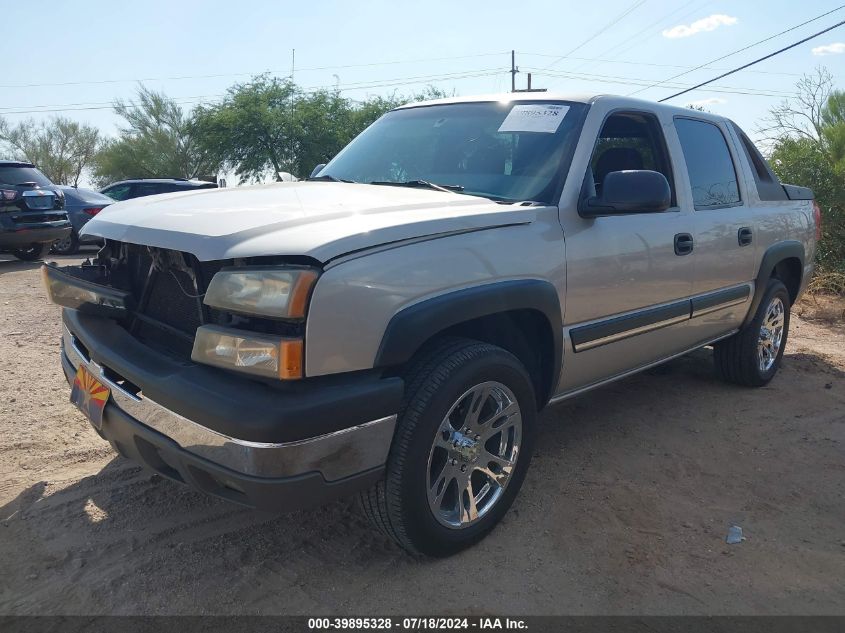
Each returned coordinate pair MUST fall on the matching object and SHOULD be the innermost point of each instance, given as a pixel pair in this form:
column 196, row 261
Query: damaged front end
column 155, row 294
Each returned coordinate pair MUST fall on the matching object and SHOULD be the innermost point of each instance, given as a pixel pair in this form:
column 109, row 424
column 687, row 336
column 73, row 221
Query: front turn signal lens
column 258, row 354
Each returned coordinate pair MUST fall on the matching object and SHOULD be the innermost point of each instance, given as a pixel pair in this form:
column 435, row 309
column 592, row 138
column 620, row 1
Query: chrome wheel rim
column 62, row 244
column 771, row 334
column 474, row 454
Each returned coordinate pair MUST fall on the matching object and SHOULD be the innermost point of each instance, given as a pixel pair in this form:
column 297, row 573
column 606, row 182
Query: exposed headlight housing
column 79, row 294
column 259, row 354
column 277, row 293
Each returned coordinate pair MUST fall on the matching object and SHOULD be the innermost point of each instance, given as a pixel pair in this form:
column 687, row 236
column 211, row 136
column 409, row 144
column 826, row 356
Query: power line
column 610, row 79
column 647, row 28
column 385, row 83
column 660, row 22
column 571, row 74
column 739, row 50
column 285, row 72
column 638, row 81
column 756, row 61
column 607, row 26
column 349, row 86
column 656, row 65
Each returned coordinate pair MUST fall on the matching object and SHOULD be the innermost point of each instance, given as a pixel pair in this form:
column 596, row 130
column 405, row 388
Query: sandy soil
column 625, row 508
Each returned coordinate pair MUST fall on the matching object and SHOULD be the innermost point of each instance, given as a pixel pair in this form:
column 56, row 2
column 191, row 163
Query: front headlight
column 280, row 293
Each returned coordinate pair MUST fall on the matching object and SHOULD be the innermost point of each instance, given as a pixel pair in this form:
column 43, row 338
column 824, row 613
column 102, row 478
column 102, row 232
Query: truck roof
column 613, row 100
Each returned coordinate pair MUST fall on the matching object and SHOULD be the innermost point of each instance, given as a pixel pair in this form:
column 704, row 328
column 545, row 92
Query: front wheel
column 461, row 448
column 752, row 356
column 32, row 253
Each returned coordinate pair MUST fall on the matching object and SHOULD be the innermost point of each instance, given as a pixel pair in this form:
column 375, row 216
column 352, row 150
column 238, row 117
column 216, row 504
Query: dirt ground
column 624, row 511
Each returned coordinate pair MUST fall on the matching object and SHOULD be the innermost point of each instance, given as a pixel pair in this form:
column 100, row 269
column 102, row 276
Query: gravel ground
column 624, row 511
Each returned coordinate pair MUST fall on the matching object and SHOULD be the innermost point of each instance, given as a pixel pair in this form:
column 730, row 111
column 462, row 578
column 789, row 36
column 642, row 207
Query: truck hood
column 322, row 220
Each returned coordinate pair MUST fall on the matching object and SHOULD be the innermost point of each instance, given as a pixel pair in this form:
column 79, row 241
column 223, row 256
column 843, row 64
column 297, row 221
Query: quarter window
column 709, row 164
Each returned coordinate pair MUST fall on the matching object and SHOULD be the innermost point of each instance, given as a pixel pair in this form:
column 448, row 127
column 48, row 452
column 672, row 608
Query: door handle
column 683, row 244
column 744, row 236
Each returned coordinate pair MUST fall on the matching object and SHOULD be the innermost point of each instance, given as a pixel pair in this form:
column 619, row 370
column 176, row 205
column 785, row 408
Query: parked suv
column 126, row 189
column 32, row 214
column 393, row 327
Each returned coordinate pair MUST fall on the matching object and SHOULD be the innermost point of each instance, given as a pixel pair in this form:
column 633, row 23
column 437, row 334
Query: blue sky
column 99, row 49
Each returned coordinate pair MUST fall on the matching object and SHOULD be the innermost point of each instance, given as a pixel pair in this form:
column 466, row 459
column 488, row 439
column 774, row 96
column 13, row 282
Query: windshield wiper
column 421, row 183
column 328, row 178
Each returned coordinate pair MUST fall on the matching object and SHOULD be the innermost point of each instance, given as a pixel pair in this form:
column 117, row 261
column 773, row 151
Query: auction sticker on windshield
column 534, row 118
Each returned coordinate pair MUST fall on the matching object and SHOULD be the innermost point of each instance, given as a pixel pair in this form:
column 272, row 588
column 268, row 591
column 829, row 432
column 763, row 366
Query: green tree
column 271, row 124
column 158, row 140
column 808, row 148
column 61, row 148
column 252, row 128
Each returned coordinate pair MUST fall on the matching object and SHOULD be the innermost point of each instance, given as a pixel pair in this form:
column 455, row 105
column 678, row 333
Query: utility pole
column 292, row 62
column 514, row 70
column 529, row 88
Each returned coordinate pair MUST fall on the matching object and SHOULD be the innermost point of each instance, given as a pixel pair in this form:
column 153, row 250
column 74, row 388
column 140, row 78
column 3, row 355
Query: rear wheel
column 68, row 245
column 461, row 449
column 32, row 252
column 752, row 356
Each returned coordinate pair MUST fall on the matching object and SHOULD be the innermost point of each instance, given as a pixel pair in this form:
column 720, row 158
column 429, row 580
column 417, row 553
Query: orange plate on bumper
column 89, row 395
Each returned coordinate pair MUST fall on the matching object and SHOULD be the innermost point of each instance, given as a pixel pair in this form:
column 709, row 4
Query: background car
column 81, row 205
column 137, row 188
column 32, row 211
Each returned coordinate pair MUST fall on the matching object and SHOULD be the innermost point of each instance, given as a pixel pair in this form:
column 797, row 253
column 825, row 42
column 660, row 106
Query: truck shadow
column 124, row 529
column 10, row 264
column 16, row 265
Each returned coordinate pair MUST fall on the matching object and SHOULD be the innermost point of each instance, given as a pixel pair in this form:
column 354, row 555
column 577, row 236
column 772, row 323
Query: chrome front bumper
column 335, row 456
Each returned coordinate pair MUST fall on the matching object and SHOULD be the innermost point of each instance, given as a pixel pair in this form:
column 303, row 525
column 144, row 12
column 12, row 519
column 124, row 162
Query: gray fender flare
column 775, row 254
column 411, row 327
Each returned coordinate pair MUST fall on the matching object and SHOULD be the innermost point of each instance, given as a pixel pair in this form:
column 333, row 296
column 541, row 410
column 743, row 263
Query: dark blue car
column 81, row 205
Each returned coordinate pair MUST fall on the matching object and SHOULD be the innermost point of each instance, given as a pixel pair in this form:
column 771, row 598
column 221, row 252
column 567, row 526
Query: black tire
column 736, row 358
column 398, row 505
column 67, row 246
column 32, row 253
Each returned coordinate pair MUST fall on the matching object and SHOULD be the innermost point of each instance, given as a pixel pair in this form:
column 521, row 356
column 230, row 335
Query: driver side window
column 628, row 140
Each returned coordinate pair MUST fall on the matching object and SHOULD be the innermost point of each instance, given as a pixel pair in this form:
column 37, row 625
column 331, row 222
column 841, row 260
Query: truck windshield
column 509, row 151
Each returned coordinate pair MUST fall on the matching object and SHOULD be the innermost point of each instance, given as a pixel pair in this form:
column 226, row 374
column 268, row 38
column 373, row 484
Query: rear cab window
column 712, row 173
column 768, row 185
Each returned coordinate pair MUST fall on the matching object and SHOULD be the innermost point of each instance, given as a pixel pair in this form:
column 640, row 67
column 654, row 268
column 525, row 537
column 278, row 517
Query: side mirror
column 316, row 171
column 625, row 192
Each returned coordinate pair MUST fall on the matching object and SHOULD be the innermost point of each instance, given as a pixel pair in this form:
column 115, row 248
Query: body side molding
column 710, row 302
column 586, row 337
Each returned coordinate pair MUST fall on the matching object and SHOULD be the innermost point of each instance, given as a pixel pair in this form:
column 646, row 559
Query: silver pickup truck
column 392, row 326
